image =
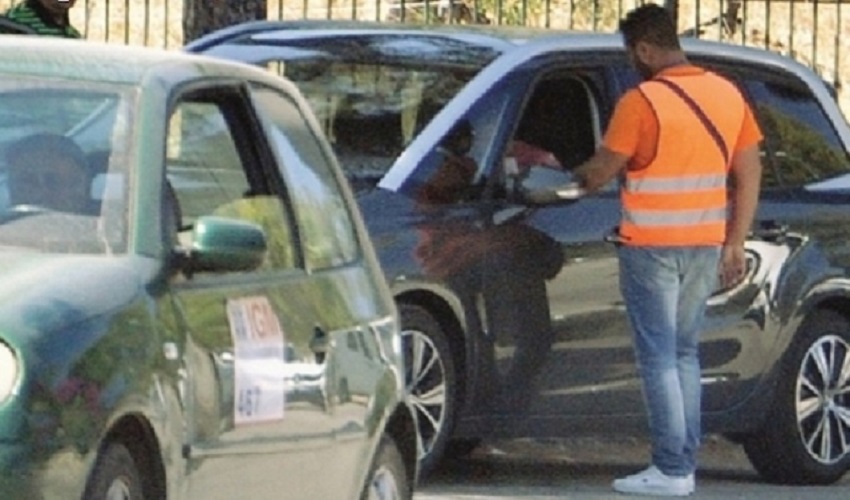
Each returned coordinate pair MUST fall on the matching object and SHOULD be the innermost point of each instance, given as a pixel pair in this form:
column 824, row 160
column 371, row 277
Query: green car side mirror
column 226, row 245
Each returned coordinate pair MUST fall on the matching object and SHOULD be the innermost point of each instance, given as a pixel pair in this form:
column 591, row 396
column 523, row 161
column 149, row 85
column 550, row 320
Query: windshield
column 63, row 148
column 373, row 94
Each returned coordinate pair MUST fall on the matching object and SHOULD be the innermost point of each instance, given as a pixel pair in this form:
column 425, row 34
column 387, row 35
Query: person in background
column 45, row 17
column 678, row 137
column 454, row 179
column 48, row 171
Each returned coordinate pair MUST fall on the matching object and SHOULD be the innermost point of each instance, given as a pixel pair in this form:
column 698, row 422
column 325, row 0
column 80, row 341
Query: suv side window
column 324, row 221
column 555, row 123
column 560, row 123
column 211, row 170
column 456, row 169
column 801, row 141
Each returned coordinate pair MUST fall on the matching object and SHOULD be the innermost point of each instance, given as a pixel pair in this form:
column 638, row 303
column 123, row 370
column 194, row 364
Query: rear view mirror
column 547, row 186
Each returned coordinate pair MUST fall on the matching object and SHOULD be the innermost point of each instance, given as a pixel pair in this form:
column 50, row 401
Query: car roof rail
column 248, row 28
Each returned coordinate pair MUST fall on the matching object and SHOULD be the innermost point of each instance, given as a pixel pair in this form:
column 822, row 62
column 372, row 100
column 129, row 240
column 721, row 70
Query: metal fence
column 156, row 23
column 810, row 31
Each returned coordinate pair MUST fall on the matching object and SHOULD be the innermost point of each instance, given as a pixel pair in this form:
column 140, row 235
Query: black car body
column 509, row 294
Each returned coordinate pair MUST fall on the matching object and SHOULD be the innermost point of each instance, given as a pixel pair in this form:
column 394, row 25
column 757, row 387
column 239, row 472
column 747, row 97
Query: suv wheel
column 808, row 438
column 431, row 382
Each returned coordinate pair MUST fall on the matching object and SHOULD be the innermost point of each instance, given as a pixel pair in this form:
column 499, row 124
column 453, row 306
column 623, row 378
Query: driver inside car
column 47, row 171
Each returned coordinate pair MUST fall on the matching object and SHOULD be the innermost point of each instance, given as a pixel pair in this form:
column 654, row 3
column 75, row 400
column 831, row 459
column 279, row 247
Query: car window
column 323, row 216
column 559, row 124
column 211, row 172
column 63, row 162
column 371, row 106
column 456, row 168
column 802, row 143
column 555, row 124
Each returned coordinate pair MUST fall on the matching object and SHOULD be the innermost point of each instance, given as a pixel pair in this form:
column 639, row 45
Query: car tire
column 431, row 383
column 115, row 475
column 792, row 448
column 387, row 478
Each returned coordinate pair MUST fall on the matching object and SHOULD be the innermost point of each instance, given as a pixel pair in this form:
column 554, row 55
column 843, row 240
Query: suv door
column 588, row 366
column 538, row 283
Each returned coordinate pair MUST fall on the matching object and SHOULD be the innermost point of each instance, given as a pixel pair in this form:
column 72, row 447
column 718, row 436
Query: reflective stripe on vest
column 677, row 218
column 679, row 199
column 676, row 184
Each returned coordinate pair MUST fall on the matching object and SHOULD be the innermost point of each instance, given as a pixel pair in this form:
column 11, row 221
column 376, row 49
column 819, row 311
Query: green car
column 189, row 305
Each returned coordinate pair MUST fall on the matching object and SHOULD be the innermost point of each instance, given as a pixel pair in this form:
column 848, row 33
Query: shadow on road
column 547, row 463
column 583, row 468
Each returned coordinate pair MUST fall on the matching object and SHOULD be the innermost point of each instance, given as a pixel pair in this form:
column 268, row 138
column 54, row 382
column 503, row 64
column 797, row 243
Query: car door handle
column 319, row 344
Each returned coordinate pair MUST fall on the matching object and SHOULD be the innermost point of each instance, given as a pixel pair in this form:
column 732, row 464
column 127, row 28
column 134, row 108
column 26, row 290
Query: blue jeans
column 666, row 290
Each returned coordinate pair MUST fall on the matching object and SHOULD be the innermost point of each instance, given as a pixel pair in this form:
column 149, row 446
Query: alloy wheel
column 425, row 378
column 823, row 399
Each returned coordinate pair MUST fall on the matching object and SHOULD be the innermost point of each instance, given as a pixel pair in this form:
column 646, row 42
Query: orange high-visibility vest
column 679, row 199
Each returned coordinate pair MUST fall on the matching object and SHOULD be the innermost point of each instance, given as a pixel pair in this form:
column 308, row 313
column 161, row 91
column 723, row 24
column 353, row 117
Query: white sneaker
column 652, row 481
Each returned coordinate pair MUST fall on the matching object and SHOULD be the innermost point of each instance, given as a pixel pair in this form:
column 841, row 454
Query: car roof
column 483, row 35
column 101, row 62
column 497, row 38
column 255, row 41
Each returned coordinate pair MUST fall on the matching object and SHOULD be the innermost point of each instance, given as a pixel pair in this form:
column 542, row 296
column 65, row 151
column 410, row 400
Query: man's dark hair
column 650, row 23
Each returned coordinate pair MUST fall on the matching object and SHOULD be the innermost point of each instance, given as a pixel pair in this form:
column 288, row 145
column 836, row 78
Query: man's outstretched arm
column 603, row 166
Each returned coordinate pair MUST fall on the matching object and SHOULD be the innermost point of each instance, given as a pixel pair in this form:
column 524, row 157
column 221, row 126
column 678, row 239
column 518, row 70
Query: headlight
column 8, row 371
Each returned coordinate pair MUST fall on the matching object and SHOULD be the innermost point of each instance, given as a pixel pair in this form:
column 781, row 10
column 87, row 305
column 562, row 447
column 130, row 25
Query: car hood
column 42, row 293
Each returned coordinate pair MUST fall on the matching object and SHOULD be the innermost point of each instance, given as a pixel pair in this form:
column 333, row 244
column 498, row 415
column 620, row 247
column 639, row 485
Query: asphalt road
column 584, row 469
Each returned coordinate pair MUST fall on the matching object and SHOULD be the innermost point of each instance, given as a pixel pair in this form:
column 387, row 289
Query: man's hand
column 733, row 265
column 603, row 166
column 746, row 169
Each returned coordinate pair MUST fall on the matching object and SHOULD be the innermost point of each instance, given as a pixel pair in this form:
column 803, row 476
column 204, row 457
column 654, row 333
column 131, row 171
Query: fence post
column 673, row 7
column 203, row 16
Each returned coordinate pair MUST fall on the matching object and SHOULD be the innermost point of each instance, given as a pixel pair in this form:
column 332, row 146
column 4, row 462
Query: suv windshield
column 372, row 93
column 63, row 148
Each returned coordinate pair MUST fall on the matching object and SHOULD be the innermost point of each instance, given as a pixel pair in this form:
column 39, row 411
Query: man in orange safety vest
column 675, row 139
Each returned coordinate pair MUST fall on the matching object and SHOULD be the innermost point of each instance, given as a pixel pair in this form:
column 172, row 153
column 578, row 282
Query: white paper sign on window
column 259, row 369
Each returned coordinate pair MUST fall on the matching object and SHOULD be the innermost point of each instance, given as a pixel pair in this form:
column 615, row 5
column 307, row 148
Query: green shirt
column 30, row 13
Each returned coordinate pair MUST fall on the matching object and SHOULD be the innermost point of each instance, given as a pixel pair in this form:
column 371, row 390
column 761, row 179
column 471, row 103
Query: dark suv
column 513, row 320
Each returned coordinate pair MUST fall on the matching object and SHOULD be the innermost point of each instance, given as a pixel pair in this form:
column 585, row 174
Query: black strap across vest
column 712, row 130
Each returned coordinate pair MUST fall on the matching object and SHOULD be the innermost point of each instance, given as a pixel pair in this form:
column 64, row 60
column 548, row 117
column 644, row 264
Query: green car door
column 264, row 391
